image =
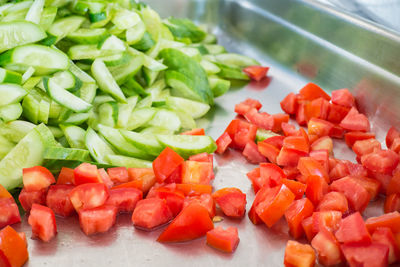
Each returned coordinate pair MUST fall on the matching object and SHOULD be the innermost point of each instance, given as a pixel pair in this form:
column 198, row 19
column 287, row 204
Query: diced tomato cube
column 296, row 213
column 356, row 170
column 391, row 220
column 262, row 120
column 343, row 97
column 105, row 178
column 392, row 134
column 371, row 185
column 297, row 254
column 323, row 143
column 355, row 121
column 352, row 229
column 166, row 163
column 89, row 196
column 337, row 132
column 252, row 154
column 9, row 212
column 151, row 213
column 137, row 173
column 66, row 176
column 58, row 200
column 384, row 161
column 366, row 255
column 317, row 187
column 37, row 178
column 392, row 203
column 329, row 220
column 327, row 247
column 322, row 156
column 319, row 127
column 317, row 108
column 243, row 107
column 337, row 113
column 173, row 198
column 301, row 114
column 223, row 143
column 194, row 172
column 193, row 222
column 276, row 141
column 296, row 142
column 309, row 166
column 271, row 173
column 312, row 91
column 245, row 133
column 124, row 199
column 205, row 200
column 352, row 137
column 197, row 131
column 222, row 239
column 27, row 199
column 13, row 249
column 142, row 179
column 269, row 151
column 288, row 130
column 396, row 145
column 118, row 174
column 308, row 228
column 364, row 147
column 232, row 201
column 202, row 157
column 383, row 235
column 43, row 222
column 289, row 157
column 279, row 118
column 86, row 173
column 297, row 188
column 97, row 220
column 194, row 189
column 394, row 184
column 256, row 73
column 4, row 193
column 289, row 104
column 333, row 201
column 176, row 176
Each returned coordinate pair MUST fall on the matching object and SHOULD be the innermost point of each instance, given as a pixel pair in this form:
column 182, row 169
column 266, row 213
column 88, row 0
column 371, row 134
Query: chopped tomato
column 193, row 222
column 243, row 107
column 256, row 73
column 333, row 201
column 274, row 204
column 124, row 199
column 329, row 220
column 205, row 200
column 276, row 141
column 197, row 131
column 392, row 203
column 337, row 113
column 394, row 184
column 86, row 173
column 309, row 166
column 289, row 104
column 269, row 151
column 262, row 120
column 317, row 108
column 371, row 185
column 297, row 254
column 301, row 114
column 392, row 134
column 173, row 198
column 4, row 193
column 323, row 143
column 37, row 178
column 58, row 200
column 194, row 172
column 223, row 143
column 89, row 196
column 141, row 178
column 118, row 174
column 327, row 247
column 357, row 196
column 261, row 194
column 289, row 157
column 13, row 249
column 366, row 254
column 27, row 199
column 279, row 118
column 384, row 235
column 43, row 222
column 105, row 178
column 271, row 173
column 202, row 157
column 166, row 163
column 312, row 91
column 297, row 188
column 317, row 187
column 355, row 121
column 352, row 137
column 343, row 97
column 384, row 161
column 244, row 133
column 252, row 154
column 296, row 213
column 137, row 173
column 66, row 176
column 391, row 220
column 308, row 228
column 288, row 130
column 231, row 201
column 222, row 239
column 9, row 212
column 176, row 176
column 97, row 220
column 296, row 142
column 337, row 132
column 151, row 213
column 291, row 172
column 352, row 229
column 322, row 156
column 396, row 145
column 319, row 127
column 194, row 189
column 364, row 147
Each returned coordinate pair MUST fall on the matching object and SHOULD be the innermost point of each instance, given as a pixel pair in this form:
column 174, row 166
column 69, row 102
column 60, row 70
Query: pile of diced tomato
column 321, row 197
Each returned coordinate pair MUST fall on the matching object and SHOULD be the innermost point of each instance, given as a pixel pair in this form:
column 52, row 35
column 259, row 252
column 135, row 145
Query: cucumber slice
column 148, row 62
column 62, row 153
column 65, row 98
column 45, row 60
column 134, row 34
column 88, row 36
column 31, row 83
column 80, row 52
column 128, row 162
column 100, row 99
column 19, row 33
column 193, row 108
column 31, row 108
column 5, row 146
column 150, row 76
column 139, row 117
column 35, row 11
column 264, row 134
column 64, row 26
column 27, row 153
column 27, row 74
column 125, row 19
column 57, row 132
column 187, row 145
column 166, row 119
column 8, row 76
column 77, row 118
column 55, row 110
column 11, row 93
column 156, row 130
column 117, row 59
column 132, row 88
column 215, row 49
column 88, row 92
column 16, row 130
column 67, row 80
column 152, row 21
column 185, row 28
column 145, row 102
column 97, row 147
column 108, row 113
column 236, row 60
column 48, row 16
column 231, row 72
column 218, row 86
column 123, row 72
column 143, row 141
column 106, row 81
column 83, row 76
column 209, row 67
column 145, row 43
column 187, row 121
column 44, row 111
column 75, row 136
column 210, row 39
column 125, row 111
column 10, row 112
column 113, row 43
column 114, row 137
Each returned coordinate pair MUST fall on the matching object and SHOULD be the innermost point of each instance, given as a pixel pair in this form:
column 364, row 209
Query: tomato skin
column 58, row 200
column 89, row 196
column 223, row 143
column 394, row 184
column 366, row 255
column 27, row 199
column 269, row 151
column 261, row 194
column 205, row 200
column 328, row 220
column 105, row 178
column 317, row 187
column 232, row 201
column 37, row 178
column 13, row 249
column 194, row 172
column 308, row 228
column 289, row 104
column 309, row 166
column 312, row 91
column 317, row 108
column 296, row 142
column 392, row 203
column 194, row 189
column 271, row 173
column 151, row 213
column 173, row 198
column 225, row 240
column 243, row 107
column 371, row 185
column 273, row 206
column 256, row 73
column 9, row 212
column 301, row 114
column 252, row 154
column 355, row 121
column 43, row 222
column 197, row 131
column 118, row 174
column 392, row 134
column 364, row 147
column 124, row 199
column 319, row 127
column 391, row 220
column 261, row 120
column 66, row 176
column 333, row 201
column 383, row 162
column 343, row 97
column 337, row 113
column 296, row 213
column 166, row 163
column 288, row 157
column 299, row 255
column 279, row 118
column 86, row 173
column 384, row 235
column 352, row 137
column 297, row 188
column 353, row 229
column 193, row 222
column 327, row 247
column 97, row 220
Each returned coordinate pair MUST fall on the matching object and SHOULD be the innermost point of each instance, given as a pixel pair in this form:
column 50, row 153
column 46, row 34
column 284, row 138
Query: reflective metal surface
column 300, row 41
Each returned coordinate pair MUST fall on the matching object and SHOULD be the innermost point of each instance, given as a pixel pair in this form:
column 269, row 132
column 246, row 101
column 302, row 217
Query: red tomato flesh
column 343, row 97
column 86, row 173
column 13, row 249
column 58, row 200
column 297, row 254
column 391, row 220
column 195, row 172
column 151, row 213
column 327, row 247
column 231, row 201
column 333, row 201
column 9, row 212
column 243, row 107
column 383, row 235
column 204, row 200
column 89, row 196
column 66, row 176
column 37, row 178
column 392, row 134
column 352, row 229
column 197, row 131
column 118, row 175
column 223, row 143
column 296, row 213
column 225, row 240
column 355, row 121
column 124, row 199
column 252, row 154
column 194, row 189
column 256, row 73
column 289, row 104
column 166, row 163
column 27, row 199
column 312, row 91
column 366, row 255
column 43, row 223
column 392, row 203
column 97, row 220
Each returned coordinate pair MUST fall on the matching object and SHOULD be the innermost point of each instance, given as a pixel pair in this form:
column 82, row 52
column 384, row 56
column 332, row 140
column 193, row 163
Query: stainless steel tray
column 300, row 41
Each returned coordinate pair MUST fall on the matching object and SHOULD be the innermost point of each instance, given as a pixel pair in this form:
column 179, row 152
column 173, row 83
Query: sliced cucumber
column 134, row 34
column 145, row 142
column 11, row 93
column 57, row 132
column 19, row 33
column 145, row 102
column 209, row 67
column 132, row 88
column 139, row 117
column 88, row 36
column 185, row 28
column 236, row 60
column 264, row 134
column 231, row 72
column 88, row 92
column 193, row 108
column 108, row 113
column 31, row 83
column 128, row 162
column 113, row 43
column 62, row 153
column 83, row 76
column 156, row 130
column 8, row 76
column 48, row 16
column 148, row 62
column 125, row 19
column 10, row 112
column 64, row 26
column 5, row 146
column 187, row 145
column 27, row 74
column 218, row 86
column 215, row 49
column 117, row 59
column 166, row 119
column 16, row 130
column 126, row 71
column 98, row 148
column 125, row 111
column 77, row 118
column 67, row 80
column 75, row 136
column 35, row 11
column 80, row 52
column 44, row 111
